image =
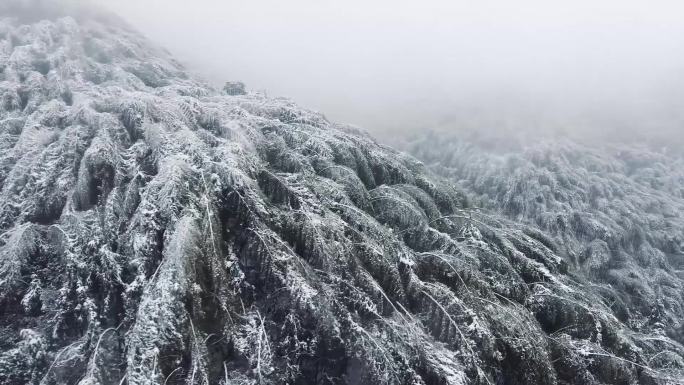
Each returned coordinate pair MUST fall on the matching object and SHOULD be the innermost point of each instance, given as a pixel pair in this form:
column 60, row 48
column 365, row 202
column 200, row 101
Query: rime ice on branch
column 154, row 230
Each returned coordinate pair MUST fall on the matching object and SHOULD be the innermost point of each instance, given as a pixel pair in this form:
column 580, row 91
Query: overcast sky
column 394, row 64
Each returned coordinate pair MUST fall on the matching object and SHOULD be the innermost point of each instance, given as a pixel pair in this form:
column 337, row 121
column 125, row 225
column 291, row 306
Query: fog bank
column 395, row 66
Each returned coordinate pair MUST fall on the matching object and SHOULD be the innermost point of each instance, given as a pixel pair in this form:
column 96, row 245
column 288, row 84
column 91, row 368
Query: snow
column 243, row 239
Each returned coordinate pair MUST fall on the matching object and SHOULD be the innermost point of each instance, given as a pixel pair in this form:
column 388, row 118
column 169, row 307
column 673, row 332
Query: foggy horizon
column 612, row 70
column 400, row 66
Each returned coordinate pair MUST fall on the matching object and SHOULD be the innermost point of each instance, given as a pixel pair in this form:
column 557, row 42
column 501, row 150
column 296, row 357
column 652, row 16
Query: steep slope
column 615, row 213
column 155, row 230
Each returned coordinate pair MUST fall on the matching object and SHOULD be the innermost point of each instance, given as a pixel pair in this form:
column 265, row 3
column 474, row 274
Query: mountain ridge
column 155, row 230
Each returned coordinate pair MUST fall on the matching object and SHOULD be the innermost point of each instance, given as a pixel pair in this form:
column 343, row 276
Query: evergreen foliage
column 154, row 230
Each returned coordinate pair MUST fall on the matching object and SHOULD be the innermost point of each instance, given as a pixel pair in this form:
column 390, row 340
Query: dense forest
column 156, row 230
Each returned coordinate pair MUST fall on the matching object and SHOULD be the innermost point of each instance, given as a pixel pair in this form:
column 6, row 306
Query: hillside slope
column 614, row 212
column 154, row 230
